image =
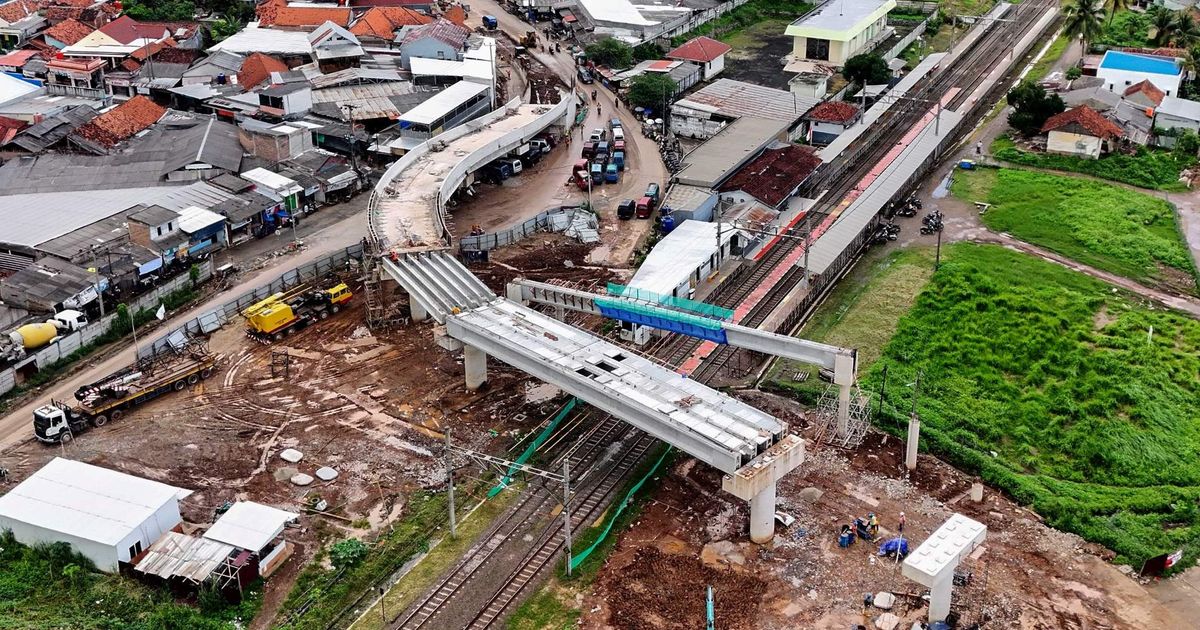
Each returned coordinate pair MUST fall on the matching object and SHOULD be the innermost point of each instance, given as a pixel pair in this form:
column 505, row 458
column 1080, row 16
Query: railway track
column 585, row 455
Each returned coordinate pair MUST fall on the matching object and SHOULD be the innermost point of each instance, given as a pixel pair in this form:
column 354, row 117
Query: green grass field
column 1108, row 227
column 1156, row 170
column 1052, row 387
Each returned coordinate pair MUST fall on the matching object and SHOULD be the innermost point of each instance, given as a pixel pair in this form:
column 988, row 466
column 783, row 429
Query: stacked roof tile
column 69, row 31
column 258, row 68
column 122, row 121
column 383, row 22
column 1085, row 119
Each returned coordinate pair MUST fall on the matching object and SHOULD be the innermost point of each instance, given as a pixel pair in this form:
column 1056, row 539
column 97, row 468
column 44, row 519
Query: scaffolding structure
column 826, row 419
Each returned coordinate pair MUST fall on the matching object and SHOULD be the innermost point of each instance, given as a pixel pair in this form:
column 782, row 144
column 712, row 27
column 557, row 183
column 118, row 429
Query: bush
column 652, row 90
column 867, row 69
column 347, row 553
column 610, row 52
column 1091, row 421
column 752, row 12
column 1158, row 170
column 1032, row 107
column 1074, row 72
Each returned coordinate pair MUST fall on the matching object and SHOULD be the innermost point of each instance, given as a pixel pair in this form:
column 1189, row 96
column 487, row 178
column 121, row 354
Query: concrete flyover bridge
column 752, row 448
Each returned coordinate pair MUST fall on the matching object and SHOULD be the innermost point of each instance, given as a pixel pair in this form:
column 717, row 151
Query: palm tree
column 1162, row 25
column 1116, row 5
column 1186, row 31
column 1084, row 18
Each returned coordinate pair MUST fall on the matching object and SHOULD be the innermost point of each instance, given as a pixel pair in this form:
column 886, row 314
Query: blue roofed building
column 1121, row 70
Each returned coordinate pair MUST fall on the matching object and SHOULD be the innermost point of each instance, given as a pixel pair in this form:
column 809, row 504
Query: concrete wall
column 1117, row 80
column 1073, row 144
column 824, row 132
column 428, row 48
column 1167, row 121
column 163, row 519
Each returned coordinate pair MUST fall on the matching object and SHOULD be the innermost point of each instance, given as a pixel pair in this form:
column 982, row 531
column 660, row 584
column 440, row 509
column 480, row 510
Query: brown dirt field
column 1027, row 576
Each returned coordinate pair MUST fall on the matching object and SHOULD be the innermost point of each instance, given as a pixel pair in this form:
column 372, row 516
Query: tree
column 1032, row 106
column 1083, row 21
column 161, row 10
column 225, row 27
column 866, row 69
column 1186, row 32
column 610, row 52
column 647, row 52
column 652, row 90
column 1116, row 5
column 1187, row 143
column 1162, row 25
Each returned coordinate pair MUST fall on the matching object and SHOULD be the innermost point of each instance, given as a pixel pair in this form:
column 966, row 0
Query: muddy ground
column 1026, row 575
column 757, row 55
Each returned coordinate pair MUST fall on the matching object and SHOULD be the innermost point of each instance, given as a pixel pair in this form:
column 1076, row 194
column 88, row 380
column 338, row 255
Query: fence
column 917, row 5
column 908, row 39
column 542, row 222
column 689, row 22
column 208, row 322
column 68, row 344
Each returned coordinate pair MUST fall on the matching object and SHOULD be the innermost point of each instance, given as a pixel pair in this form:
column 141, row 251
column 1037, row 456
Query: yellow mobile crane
column 278, row 315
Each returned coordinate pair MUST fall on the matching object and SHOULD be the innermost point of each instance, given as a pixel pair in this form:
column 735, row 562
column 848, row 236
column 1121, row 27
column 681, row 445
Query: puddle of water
column 540, row 392
column 943, row 189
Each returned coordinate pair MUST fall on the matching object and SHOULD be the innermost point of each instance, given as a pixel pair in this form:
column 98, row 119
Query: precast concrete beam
column 932, row 564
column 756, row 483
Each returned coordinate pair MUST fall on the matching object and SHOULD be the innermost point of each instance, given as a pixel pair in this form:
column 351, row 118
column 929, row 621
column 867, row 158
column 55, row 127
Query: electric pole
column 350, row 107
column 450, row 486
column 567, row 509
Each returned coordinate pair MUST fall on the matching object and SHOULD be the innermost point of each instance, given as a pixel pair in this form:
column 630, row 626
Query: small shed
column 255, row 528
column 1081, row 131
column 108, row 516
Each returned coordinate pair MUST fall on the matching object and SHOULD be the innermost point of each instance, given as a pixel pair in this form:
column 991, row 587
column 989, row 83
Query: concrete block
column 811, row 495
column 301, row 479
column 884, row 600
column 291, row 455
column 977, row 492
column 325, row 473
column 887, row 621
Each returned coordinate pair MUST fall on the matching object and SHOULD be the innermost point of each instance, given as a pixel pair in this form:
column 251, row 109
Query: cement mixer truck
column 17, row 344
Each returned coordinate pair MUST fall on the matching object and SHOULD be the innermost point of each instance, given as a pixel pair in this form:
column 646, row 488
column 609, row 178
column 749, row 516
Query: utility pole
column 383, row 606
column 350, row 107
column 937, row 260
column 807, row 278
column 567, row 509
column 96, row 281
column 882, row 389
column 914, row 428
column 450, row 486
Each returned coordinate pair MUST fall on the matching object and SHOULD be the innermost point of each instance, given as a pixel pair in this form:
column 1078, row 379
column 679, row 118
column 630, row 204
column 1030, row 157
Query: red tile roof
column 1149, row 89
column 126, row 29
column 442, row 30
column 17, row 58
column 9, row 128
column 702, row 49
column 390, row 3
column 258, row 68
column 833, row 112
column 18, row 10
column 382, row 22
column 278, row 13
column 122, row 121
column 1087, row 120
column 456, row 15
column 772, row 176
column 69, row 31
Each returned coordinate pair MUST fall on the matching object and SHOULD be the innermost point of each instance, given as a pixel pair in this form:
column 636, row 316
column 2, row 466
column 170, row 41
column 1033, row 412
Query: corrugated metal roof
column 373, row 100
column 443, row 102
column 86, row 501
column 266, row 40
column 733, row 146
column 183, row 556
column 249, row 525
column 830, row 244
column 737, row 98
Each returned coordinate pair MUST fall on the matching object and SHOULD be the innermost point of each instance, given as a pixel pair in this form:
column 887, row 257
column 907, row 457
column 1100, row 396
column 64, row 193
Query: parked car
column 615, row 123
column 652, row 193
column 612, row 174
column 625, row 209
column 597, row 174
column 584, row 75
column 618, row 158
column 618, row 145
column 618, row 134
column 541, row 145
column 589, row 149
column 598, row 135
column 497, row 171
column 515, row 163
column 530, row 157
column 644, row 207
column 602, row 149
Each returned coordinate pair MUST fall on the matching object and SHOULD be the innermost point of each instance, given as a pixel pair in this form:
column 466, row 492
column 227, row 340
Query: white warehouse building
column 108, row 516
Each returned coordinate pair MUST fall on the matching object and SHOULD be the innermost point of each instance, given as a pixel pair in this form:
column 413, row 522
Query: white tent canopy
column 250, row 526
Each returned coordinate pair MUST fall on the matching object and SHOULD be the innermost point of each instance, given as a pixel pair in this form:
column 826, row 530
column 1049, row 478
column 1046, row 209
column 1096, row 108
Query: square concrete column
column 418, row 312
column 475, row 366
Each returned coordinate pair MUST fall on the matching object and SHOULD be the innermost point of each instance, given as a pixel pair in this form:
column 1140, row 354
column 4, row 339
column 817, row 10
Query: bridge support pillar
column 475, row 366
column 418, row 312
column 844, row 368
column 755, row 482
column 762, row 515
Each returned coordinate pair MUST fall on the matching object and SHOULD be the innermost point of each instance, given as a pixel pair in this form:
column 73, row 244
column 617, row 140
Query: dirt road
column 16, row 426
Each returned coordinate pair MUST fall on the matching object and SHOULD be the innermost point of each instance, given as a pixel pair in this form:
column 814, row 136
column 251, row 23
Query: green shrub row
column 1156, row 170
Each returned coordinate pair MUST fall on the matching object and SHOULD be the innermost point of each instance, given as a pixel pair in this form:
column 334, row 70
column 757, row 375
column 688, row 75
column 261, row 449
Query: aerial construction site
column 702, row 368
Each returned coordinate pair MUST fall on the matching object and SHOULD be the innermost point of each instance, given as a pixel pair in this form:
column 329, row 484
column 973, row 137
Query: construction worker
column 900, row 525
column 872, row 524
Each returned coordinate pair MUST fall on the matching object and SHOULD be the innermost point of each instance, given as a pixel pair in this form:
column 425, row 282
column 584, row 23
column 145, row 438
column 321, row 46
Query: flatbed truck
column 109, row 398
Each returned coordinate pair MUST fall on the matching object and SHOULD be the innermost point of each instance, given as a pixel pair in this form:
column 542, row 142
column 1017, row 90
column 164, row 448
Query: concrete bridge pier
column 417, row 310
column 755, row 482
column 475, row 366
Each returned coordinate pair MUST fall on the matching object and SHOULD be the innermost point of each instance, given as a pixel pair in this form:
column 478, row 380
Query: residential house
column 440, row 39
column 1175, row 115
column 274, row 142
column 829, row 119
column 107, row 516
column 206, row 230
column 14, row 62
column 1144, row 93
column 19, row 23
column 685, row 74
column 1121, row 70
column 119, row 123
column 291, row 46
column 837, row 30
column 47, row 286
column 67, row 33
column 1081, row 132
column 117, row 40
column 422, row 6
column 1137, row 120
column 288, row 100
column 378, row 26
column 278, row 14
column 75, row 77
column 156, row 228
column 705, row 52
column 773, row 178
column 220, row 67
column 257, row 68
column 335, row 47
